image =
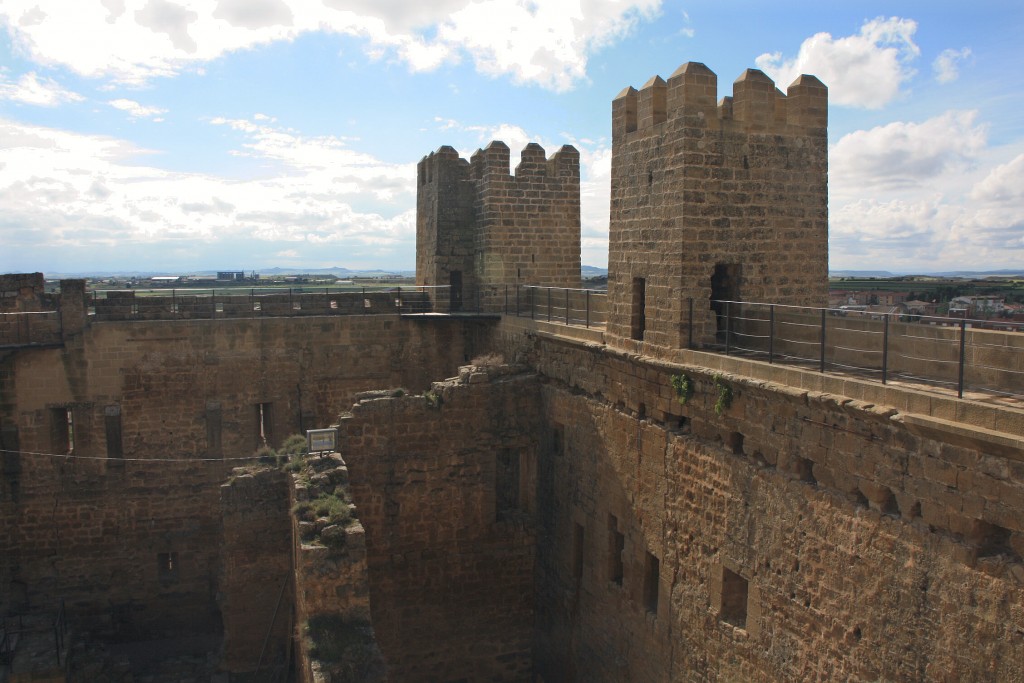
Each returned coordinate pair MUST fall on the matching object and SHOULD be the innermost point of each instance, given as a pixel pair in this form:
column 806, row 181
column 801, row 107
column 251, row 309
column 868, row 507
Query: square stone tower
column 715, row 201
column 477, row 224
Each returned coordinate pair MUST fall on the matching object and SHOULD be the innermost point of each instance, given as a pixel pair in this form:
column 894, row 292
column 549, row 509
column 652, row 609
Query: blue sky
column 186, row 135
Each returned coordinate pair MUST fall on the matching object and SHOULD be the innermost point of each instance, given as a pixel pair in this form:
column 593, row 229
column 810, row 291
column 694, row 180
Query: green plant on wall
column 683, row 386
column 724, row 395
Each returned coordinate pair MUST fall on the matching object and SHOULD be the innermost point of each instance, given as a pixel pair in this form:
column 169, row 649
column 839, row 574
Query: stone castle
column 598, row 496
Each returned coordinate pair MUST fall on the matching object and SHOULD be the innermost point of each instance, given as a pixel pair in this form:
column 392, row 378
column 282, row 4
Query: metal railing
column 937, row 351
column 563, row 305
column 29, row 328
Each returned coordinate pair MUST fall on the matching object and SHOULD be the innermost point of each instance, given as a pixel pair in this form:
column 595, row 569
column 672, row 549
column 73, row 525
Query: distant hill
column 966, row 274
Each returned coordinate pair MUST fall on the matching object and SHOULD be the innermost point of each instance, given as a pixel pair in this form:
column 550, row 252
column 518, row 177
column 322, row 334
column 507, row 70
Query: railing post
column 588, row 309
column 533, row 303
column 399, row 299
column 963, row 354
column 566, row 305
column 821, row 367
column 549, row 304
column 885, row 350
column 517, row 300
column 213, row 303
column 728, row 329
column 506, row 299
column 689, row 341
column 771, row 333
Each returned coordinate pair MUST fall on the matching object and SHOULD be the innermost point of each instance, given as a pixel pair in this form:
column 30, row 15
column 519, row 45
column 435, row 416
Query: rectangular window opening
column 264, row 432
column 63, row 430
column 616, row 544
column 507, row 484
column 112, row 425
column 168, row 568
column 652, row 571
column 733, row 609
column 213, row 429
column 638, row 319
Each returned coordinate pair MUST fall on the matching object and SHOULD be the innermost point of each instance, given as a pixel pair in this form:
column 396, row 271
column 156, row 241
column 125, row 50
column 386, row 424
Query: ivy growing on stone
column 724, row 395
column 683, row 386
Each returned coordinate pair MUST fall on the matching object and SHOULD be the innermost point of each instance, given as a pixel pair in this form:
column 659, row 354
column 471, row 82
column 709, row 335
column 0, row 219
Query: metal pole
column 549, row 304
column 821, row 367
column 566, row 305
column 727, row 326
column 533, row 303
column 885, row 350
column 963, row 347
column 517, row 300
column 771, row 333
column 506, row 299
column 588, row 309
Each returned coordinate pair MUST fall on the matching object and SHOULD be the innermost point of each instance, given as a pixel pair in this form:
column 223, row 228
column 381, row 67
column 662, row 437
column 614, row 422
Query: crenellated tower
column 479, row 224
column 715, row 201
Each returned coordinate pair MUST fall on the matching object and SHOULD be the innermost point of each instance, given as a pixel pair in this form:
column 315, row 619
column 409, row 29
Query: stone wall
column 497, row 228
column 255, row 595
column 159, row 413
column 790, row 535
column 444, row 485
column 715, row 202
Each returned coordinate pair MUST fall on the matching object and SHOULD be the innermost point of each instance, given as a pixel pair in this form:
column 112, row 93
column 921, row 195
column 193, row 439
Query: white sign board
column 321, row 440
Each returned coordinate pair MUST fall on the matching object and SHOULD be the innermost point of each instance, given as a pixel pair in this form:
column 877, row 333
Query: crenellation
column 753, row 100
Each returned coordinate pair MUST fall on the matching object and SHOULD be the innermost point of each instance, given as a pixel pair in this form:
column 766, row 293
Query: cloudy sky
column 185, row 135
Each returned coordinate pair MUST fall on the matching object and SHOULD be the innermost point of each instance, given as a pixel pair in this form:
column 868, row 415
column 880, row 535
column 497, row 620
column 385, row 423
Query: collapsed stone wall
column 445, row 486
column 96, row 526
column 789, row 535
column 715, row 201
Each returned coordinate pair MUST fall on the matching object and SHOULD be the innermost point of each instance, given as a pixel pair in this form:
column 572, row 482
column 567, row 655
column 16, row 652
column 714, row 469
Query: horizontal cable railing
column 942, row 352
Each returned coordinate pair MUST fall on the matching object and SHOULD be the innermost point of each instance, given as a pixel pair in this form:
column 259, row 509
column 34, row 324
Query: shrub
column 724, row 395
column 683, row 386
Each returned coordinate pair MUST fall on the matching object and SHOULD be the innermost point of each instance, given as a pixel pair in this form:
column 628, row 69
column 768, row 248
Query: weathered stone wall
column 795, row 536
column 256, row 595
column 444, row 485
column 132, row 547
column 337, row 643
column 496, row 227
column 90, row 528
column 711, row 201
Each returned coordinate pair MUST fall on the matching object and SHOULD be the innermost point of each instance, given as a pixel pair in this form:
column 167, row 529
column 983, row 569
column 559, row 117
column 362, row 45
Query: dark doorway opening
column 725, row 287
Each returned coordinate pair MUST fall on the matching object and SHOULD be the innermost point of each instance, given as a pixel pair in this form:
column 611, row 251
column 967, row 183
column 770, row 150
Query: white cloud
column 42, row 92
column 136, row 110
column 947, row 64
column 862, row 70
column 1004, row 184
column 61, row 190
column 134, row 40
column 926, row 196
column 901, row 155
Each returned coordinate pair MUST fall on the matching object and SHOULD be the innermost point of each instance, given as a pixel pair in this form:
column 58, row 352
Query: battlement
column 755, row 104
column 480, row 221
column 494, row 160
